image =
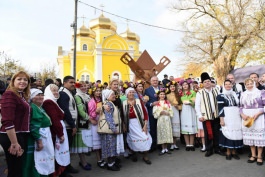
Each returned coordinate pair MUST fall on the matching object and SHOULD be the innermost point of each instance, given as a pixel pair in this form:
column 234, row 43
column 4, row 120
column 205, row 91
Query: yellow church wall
column 66, row 66
column 101, row 34
column 85, row 65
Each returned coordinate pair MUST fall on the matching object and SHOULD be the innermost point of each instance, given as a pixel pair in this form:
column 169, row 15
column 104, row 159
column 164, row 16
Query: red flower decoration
column 188, row 93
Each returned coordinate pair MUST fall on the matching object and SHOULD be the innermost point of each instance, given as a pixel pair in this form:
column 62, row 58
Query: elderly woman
column 188, row 115
column 136, row 117
column 82, row 142
column 174, row 98
column 252, row 103
column 94, row 107
column 14, row 131
column 58, row 130
column 39, row 161
column 110, row 143
column 230, row 120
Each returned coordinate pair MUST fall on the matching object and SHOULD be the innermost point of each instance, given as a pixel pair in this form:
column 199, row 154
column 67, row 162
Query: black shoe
column 228, row 157
column 162, row 153
column 219, row 152
column 260, row 163
column 148, row 162
column 187, row 148
column 168, row 152
column 252, row 161
column 208, row 153
column 71, row 169
column 134, row 158
column 192, row 148
column 64, row 174
column 101, row 164
column 113, row 168
column 235, row 156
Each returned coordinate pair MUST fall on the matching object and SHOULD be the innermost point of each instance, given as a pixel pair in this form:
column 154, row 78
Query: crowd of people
column 43, row 125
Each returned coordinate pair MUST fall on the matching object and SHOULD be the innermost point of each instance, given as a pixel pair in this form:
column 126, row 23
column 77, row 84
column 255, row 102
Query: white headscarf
column 230, row 93
column 251, row 95
column 106, row 94
column 34, row 92
column 83, row 95
column 48, row 95
column 128, row 90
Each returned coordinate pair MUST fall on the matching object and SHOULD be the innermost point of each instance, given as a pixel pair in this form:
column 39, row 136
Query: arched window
column 82, row 77
column 84, row 47
column 87, row 78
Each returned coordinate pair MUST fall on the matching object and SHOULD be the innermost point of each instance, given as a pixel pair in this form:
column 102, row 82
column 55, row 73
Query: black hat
column 165, row 75
column 205, row 76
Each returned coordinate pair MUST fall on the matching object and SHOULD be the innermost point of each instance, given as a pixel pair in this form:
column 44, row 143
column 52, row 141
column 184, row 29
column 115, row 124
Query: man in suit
column 151, row 93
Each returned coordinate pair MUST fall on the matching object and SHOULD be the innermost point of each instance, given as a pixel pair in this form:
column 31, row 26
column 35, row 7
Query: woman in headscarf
column 230, row 120
column 94, row 107
column 14, row 131
column 58, row 130
column 39, row 159
column 136, row 117
column 174, row 99
column 82, row 142
column 109, row 143
column 252, row 103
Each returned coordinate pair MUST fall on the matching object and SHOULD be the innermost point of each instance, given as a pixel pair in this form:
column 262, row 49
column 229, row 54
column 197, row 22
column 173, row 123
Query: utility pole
column 74, row 25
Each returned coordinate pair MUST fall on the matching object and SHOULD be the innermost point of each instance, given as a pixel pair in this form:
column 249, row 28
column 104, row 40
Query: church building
column 98, row 52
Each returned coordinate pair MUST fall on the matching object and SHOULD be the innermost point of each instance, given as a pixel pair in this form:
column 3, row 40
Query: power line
column 142, row 23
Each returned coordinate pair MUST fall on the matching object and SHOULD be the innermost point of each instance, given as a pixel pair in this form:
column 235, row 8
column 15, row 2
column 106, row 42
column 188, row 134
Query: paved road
column 179, row 164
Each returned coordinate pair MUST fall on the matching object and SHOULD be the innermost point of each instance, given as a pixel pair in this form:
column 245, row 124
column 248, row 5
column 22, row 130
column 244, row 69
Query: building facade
column 98, row 52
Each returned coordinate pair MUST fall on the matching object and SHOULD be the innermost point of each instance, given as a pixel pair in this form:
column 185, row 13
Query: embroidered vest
column 72, row 104
column 206, row 107
column 138, row 112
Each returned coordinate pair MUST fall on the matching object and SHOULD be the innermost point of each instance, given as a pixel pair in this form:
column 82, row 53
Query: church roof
column 102, row 22
column 84, row 31
column 130, row 35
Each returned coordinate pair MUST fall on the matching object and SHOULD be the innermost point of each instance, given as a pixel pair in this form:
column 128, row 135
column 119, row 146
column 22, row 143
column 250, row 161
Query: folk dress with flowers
column 164, row 127
column 188, row 115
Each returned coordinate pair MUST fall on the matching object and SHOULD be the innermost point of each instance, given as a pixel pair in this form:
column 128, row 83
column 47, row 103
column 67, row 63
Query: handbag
column 103, row 125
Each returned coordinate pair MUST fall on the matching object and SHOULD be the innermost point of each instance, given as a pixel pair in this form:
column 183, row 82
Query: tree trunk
column 221, row 68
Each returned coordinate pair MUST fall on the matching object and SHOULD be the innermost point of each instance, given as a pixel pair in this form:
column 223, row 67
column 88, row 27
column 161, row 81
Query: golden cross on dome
column 83, row 19
column 102, row 6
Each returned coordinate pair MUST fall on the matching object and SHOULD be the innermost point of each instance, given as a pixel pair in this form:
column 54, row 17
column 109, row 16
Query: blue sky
column 32, row 30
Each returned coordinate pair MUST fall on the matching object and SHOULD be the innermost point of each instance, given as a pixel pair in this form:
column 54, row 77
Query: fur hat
column 205, row 76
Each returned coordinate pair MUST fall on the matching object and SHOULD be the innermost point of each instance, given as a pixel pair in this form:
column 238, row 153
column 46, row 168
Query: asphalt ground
column 180, row 163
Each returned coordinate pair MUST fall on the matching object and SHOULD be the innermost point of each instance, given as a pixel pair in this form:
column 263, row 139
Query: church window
column 84, row 47
column 82, row 77
column 87, row 78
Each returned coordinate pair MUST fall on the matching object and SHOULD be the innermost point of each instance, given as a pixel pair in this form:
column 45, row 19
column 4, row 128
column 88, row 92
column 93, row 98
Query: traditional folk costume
column 137, row 140
column 164, row 127
column 252, row 102
column 111, row 144
column 39, row 163
column 58, row 129
column 82, row 142
column 188, row 115
column 231, row 133
column 175, row 121
column 92, row 107
column 206, row 107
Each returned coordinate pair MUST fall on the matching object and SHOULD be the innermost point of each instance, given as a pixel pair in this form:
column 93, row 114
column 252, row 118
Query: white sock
column 111, row 164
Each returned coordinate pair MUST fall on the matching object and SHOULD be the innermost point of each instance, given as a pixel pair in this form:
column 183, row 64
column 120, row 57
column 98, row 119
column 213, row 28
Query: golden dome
column 102, row 23
column 130, row 35
column 84, row 31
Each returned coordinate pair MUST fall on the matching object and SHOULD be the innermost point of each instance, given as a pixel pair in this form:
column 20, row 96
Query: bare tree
column 218, row 31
